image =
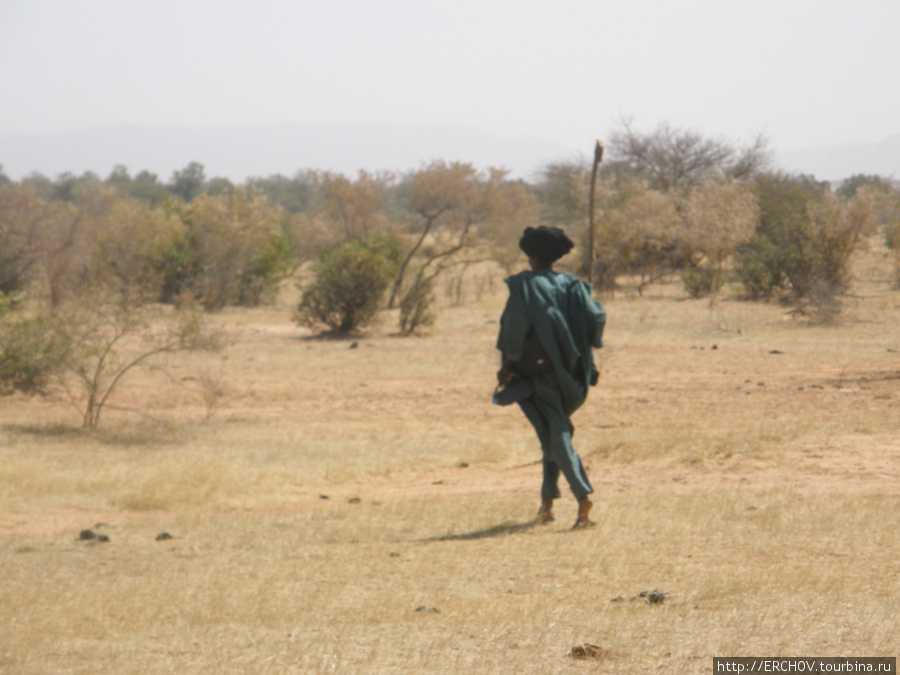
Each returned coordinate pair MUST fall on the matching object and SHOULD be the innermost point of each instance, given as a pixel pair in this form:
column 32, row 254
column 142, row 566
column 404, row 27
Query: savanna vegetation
column 358, row 506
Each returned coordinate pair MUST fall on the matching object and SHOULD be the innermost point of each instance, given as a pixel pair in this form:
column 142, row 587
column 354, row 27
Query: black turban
column 547, row 244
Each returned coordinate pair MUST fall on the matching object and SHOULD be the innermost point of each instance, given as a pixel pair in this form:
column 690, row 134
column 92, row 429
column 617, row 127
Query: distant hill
column 265, row 150
column 241, row 153
column 838, row 162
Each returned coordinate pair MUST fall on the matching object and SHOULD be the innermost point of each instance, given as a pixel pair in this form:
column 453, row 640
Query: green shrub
column 804, row 240
column 233, row 251
column 759, row 268
column 351, row 279
column 137, row 249
column 176, row 268
column 31, row 352
column 701, row 282
column 272, row 263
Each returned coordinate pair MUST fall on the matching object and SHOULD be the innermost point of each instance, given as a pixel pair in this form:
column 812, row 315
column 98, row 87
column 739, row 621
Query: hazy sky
column 805, row 72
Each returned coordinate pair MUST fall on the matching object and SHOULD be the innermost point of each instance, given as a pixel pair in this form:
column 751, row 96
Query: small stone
column 86, row 535
column 654, row 597
column 164, row 536
column 102, row 538
column 586, row 651
column 354, row 500
column 323, row 497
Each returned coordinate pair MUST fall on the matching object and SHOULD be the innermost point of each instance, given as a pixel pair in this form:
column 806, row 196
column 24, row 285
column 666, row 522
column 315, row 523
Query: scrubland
column 358, row 506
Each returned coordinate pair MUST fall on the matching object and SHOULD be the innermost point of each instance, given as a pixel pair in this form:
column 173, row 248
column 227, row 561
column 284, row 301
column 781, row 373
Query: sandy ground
column 869, row 470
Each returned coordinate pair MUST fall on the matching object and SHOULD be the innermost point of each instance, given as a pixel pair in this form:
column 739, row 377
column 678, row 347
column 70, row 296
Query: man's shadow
column 495, row 531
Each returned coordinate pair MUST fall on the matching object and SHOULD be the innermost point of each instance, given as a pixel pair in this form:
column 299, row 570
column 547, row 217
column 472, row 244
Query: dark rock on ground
column 586, row 651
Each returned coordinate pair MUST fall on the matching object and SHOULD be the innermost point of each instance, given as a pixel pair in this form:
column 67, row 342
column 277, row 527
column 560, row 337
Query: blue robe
column 569, row 325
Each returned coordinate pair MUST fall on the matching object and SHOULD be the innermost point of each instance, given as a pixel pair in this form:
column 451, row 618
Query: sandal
column 545, row 513
column 584, row 508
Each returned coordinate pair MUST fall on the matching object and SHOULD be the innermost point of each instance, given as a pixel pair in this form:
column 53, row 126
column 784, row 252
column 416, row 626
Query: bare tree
column 453, row 206
column 102, row 350
column 637, row 234
column 563, row 190
column 672, row 158
column 716, row 218
column 356, row 207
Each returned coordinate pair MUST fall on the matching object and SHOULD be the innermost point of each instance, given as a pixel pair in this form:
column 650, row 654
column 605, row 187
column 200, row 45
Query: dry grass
column 745, row 463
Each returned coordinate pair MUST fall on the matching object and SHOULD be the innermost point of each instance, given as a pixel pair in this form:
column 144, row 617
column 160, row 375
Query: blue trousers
column 554, row 430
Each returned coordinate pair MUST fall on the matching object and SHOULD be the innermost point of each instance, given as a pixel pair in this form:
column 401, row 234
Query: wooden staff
column 598, row 157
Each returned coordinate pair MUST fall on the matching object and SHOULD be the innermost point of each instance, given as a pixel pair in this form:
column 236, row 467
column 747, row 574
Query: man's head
column 544, row 245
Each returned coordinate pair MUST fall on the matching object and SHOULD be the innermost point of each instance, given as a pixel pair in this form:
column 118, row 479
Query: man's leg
column 563, row 454
column 554, row 429
column 550, row 485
